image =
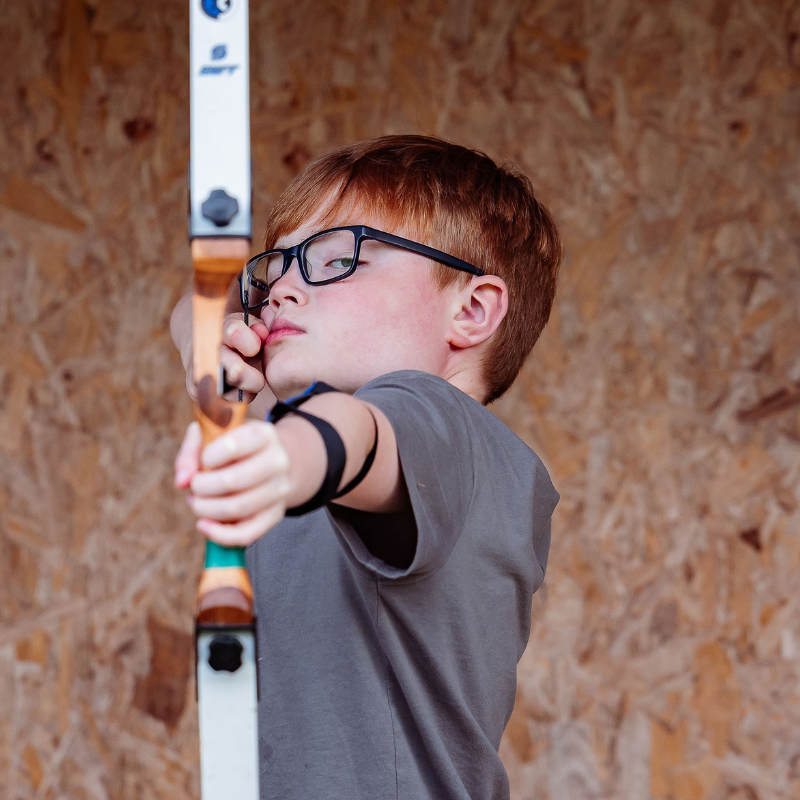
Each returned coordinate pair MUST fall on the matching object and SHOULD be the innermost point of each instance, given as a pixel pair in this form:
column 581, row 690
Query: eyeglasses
column 327, row 257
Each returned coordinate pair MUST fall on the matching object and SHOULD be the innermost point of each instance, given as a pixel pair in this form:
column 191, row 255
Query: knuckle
column 231, row 327
column 282, row 461
column 229, row 442
column 234, row 371
column 197, row 509
column 262, row 434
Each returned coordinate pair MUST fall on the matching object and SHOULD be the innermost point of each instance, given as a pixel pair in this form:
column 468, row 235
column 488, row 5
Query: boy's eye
column 329, row 255
column 332, row 266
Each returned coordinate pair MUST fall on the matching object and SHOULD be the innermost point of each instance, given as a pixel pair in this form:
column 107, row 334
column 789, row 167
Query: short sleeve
column 545, row 499
column 434, row 436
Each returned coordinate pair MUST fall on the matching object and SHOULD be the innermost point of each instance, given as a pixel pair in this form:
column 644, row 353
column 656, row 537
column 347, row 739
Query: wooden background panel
column 664, row 395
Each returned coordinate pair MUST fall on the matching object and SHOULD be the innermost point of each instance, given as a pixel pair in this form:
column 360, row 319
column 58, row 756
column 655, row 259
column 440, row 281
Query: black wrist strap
column 365, row 468
column 334, row 448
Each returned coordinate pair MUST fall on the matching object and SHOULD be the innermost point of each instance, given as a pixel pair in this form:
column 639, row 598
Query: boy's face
column 388, row 315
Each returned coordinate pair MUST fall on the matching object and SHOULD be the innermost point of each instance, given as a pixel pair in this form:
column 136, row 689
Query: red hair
column 454, row 199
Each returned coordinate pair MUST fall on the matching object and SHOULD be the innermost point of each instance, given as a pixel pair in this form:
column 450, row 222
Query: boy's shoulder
column 424, row 387
column 465, row 472
column 432, row 399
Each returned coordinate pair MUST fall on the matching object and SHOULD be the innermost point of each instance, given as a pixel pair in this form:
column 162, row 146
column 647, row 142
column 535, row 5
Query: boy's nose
column 289, row 288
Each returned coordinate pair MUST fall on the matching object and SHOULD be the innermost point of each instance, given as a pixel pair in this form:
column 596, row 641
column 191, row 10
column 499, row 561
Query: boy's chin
column 288, row 380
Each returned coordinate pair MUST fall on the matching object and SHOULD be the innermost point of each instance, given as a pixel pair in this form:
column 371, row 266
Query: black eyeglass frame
column 361, row 233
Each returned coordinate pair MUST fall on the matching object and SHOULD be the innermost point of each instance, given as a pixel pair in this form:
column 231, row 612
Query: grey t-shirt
column 380, row 681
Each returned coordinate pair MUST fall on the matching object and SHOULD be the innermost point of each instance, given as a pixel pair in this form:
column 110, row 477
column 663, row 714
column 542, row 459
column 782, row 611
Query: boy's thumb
column 187, row 462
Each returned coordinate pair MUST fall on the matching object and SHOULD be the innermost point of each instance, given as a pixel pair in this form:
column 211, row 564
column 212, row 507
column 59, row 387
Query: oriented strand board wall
column 665, row 395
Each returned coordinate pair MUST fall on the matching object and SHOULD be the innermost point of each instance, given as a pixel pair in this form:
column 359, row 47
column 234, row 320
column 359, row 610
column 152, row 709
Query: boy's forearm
column 381, row 491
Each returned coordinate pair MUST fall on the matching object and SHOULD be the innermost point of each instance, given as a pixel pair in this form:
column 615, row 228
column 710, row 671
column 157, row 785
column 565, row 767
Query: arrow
column 220, row 231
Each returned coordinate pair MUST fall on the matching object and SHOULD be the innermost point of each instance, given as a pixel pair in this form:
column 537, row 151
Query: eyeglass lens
column 327, row 257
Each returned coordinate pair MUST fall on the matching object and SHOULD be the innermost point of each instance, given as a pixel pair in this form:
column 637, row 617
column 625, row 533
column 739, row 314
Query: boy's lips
column 280, row 329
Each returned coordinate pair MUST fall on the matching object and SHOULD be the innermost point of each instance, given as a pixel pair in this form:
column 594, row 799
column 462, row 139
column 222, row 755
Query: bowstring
column 246, row 322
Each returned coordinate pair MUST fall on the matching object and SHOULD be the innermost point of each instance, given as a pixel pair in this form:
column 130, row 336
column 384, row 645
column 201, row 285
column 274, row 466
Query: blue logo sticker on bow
column 219, row 52
column 216, row 8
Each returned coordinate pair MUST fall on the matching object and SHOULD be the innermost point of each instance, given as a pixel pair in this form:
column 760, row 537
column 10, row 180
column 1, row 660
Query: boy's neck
column 469, row 382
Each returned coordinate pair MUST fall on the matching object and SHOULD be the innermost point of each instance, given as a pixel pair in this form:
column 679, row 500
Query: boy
column 391, row 615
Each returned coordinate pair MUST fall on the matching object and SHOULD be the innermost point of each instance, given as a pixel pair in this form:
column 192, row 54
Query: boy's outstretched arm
column 251, row 475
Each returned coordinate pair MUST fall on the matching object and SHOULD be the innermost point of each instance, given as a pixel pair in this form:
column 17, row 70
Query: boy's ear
column 478, row 309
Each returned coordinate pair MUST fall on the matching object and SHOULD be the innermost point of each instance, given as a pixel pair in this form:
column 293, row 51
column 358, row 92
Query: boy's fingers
column 241, row 533
column 261, row 330
column 240, row 443
column 262, row 466
column 187, row 462
column 239, row 373
column 239, row 337
column 242, row 505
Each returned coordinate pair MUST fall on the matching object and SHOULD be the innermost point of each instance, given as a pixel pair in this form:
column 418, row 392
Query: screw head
column 225, row 653
column 220, row 208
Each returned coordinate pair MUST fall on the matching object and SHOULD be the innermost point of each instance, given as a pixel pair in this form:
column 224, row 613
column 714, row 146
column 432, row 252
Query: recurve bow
column 220, row 232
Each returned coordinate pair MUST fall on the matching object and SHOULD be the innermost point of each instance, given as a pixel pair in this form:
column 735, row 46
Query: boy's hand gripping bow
column 220, row 232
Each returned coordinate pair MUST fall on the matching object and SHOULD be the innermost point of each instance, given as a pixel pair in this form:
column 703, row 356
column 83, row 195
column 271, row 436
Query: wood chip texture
column 664, row 396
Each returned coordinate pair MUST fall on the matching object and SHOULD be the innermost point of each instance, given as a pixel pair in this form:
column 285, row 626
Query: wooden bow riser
column 225, row 595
